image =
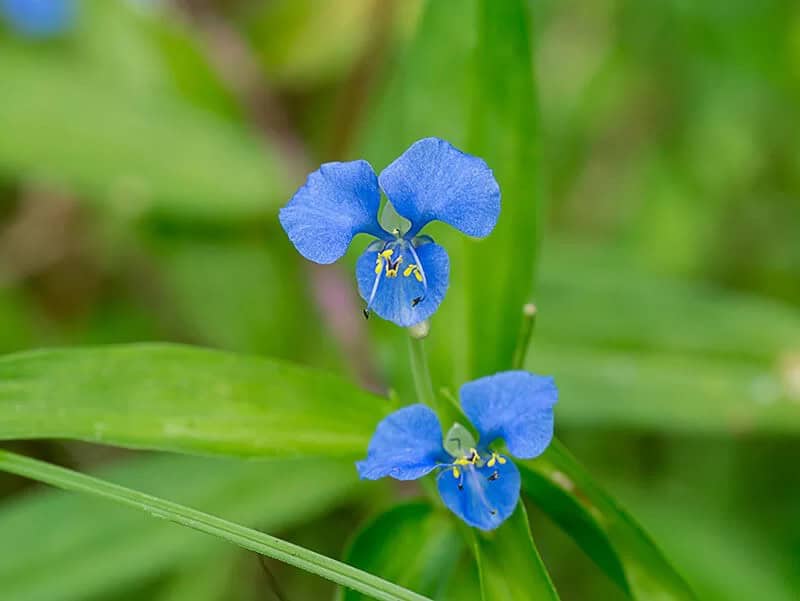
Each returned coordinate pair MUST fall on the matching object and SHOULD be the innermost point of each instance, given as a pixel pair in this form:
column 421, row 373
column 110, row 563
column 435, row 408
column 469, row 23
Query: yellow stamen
column 413, row 268
column 378, row 265
column 472, row 459
column 456, row 472
column 496, row 459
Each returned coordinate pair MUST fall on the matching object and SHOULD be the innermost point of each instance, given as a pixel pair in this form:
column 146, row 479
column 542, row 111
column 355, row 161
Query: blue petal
column 516, row 406
column 395, row 297
column 434, row 180
column 407, row 444
column 338, row 201
column 38, row 17
column 481, row 502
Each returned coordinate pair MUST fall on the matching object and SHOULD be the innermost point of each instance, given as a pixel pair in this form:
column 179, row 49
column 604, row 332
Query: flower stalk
column 525, row 334
column 423, row 385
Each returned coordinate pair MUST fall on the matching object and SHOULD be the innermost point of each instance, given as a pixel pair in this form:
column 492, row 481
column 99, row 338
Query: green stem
column 421, row 372
column 247, row 538
column 525, row 335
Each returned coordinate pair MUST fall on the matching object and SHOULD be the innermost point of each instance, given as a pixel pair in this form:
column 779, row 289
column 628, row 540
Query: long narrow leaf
column 93, row 549
column 246, row 538
column 562, row 488
column 509, row 564
column 178, row 398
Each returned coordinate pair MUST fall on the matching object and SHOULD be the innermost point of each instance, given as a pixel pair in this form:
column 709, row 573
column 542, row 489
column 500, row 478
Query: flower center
column 388, row 263
column 467, row 466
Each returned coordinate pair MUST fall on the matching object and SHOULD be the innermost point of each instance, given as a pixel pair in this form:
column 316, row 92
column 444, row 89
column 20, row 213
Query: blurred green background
column 145, row 151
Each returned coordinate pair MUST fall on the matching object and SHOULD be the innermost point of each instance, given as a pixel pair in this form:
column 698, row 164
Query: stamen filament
column 386, row 253
column 418, row 263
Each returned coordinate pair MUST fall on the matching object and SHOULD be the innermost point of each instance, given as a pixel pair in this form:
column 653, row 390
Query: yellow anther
column 378, row 265
column 496, row 459
column 387, row 254
column 456, row 472
column 415, row 270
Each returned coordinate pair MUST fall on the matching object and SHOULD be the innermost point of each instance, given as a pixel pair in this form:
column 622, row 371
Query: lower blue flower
column 38, row 18
column 476, row 482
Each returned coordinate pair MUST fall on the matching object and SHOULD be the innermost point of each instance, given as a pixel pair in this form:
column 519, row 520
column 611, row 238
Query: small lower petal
column 406, row 293
column 484, row 497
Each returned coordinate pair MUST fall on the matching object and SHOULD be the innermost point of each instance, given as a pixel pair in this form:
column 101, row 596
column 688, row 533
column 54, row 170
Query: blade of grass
column 246, row 538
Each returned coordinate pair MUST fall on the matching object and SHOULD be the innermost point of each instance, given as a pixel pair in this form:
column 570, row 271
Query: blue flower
column 402, row 276
column 475, row 481
column 38, row 18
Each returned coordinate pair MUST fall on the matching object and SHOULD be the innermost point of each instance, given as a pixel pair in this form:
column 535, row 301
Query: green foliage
column 412, row 545
column 635, row 350
column 671, row 328
column 177, row 398
column 240, row 535
column 264, row 408
column 476, row 91
column 509, row 564
column 146, row 150
column 100, row 550
column 616, row 543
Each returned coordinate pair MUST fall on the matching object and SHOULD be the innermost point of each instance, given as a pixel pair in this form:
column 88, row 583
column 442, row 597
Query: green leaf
column 630, row 349
column 503, row 130
column 599, row 297
column 179, row 398
column 558, row 484
column 200, row 401
column 212, row 579
column 749, row 569
column 411, row 544
column 242, row 536
column 668, row 393
column 509, row 564
column 96, row 549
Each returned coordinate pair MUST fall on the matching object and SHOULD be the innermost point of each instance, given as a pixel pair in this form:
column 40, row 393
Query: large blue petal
column 516, row 406
column 482, row 502
column 407, row 444
column 338, row 201
column 434, row 180
column 396, row 297
column 38, row 17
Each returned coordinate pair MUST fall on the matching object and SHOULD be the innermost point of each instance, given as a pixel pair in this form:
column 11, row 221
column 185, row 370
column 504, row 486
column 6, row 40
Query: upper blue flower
column 402, row 276
column 38, row 18
column 475, row 481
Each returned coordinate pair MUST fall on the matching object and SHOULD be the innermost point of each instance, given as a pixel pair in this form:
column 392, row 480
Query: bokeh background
column 145, row 148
